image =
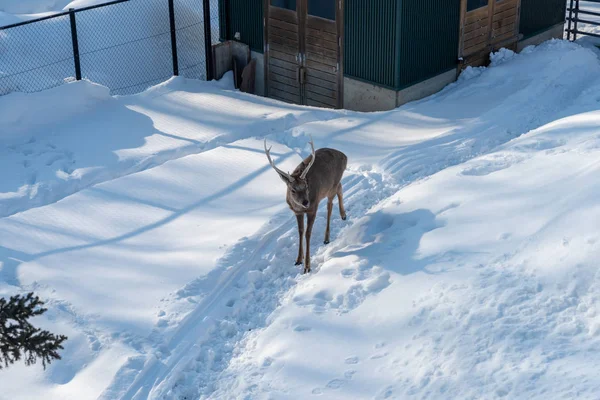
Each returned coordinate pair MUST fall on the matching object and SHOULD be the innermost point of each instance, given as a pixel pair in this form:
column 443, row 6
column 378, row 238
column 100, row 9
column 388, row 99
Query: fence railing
column 590, row 17
column 126, row 45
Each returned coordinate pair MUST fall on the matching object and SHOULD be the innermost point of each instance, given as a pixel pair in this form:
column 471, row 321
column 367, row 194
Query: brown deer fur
column 317, row 177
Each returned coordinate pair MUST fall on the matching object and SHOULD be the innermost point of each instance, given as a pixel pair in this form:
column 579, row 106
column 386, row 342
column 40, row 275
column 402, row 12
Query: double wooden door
column 303, row 51
column 488, row 25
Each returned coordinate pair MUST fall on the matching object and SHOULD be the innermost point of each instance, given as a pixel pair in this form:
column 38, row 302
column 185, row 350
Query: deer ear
column 285, row 179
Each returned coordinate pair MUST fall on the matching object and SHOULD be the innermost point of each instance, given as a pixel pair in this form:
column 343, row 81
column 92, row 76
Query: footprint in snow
column 349, row 374
column 351, row 360
column 335, row 383
column 302, row 328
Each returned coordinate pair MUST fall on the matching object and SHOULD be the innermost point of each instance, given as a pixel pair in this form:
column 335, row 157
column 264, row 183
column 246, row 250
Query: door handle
column 302, row 75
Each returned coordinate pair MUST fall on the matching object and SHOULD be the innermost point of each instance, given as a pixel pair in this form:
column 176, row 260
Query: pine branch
column 18, row 338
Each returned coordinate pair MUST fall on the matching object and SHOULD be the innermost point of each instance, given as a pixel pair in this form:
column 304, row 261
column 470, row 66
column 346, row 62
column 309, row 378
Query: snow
column 158, row 233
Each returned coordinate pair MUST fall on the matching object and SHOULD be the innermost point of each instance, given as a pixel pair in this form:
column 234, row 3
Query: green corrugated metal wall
column 369, row 47
column 245, row 17
column 396, row 43
column 539, row 15
column 428, row 40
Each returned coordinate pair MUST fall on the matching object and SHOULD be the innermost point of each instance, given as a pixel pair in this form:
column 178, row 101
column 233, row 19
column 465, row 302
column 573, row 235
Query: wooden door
column 282, row 50
column 303, row 51
column 323, row 74
column 486, row 26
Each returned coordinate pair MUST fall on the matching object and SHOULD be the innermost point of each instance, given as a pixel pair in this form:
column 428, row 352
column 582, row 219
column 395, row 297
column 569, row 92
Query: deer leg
column 300, row 219
column 329, row 209
column 340, row 196
column 310, row 223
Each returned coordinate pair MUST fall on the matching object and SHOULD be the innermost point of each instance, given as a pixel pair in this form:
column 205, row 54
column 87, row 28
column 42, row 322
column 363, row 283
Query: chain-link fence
column 126, row 45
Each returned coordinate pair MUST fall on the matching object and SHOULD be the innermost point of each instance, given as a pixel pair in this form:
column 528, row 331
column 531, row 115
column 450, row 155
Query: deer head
column 297, row 185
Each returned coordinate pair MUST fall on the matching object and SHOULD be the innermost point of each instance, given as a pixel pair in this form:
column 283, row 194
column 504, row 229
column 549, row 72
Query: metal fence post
column 75, row 44
column 208, row 40
column 576, row 19
column 570, row 20
column 173, row 38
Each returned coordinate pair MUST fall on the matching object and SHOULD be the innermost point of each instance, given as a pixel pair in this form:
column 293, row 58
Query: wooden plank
column 286, row 26
column 324, row 76
column 273, row 96
column 505, row 5
column 321, row 24
column 315, row 103
column 478, row 60
column 283, row 45
column 504, row 29
column 476, row 15
column 340, row 58
column 475, row 41
column 321, row 67
column 322, row 43
column 278, row 55
column 478, row 32
column 282, row 64
column 463, row 13
column 285, row 96
column 505, row 38
column 321, row 99
column 476, row 48
column 278, row 32
column 332, row 94
column 284, row 91
column 332, row 62
column 321, row 83
column 510, row 13
column 321, row 51
column 283, row 15
column 491, row 10
column 504, row 22
column 316, row 34
column 288, row 73
column 273, row 77
column 510, row 44
column 475, row 26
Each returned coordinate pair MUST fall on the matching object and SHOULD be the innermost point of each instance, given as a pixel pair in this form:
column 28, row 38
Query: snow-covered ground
column 158, row 233
column 13, row 11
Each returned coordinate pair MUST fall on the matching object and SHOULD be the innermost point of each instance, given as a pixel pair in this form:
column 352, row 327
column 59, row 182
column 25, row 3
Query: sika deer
column 317, row 177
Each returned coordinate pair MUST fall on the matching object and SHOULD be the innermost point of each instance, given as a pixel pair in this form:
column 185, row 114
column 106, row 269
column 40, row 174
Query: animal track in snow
column 351, row 360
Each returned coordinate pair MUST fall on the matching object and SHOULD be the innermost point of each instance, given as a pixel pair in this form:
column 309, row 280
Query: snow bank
column 21, row 113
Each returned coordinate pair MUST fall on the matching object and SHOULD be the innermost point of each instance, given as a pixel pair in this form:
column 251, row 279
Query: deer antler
column 280, row 172
column 312, row 145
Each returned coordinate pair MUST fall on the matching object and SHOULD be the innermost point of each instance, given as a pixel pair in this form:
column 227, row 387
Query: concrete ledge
column 555, row 32
column 425, row 88
column 367, row 97
column 362, row 96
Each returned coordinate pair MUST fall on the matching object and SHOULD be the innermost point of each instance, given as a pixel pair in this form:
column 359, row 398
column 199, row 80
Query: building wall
column 370, row 51
column 245, row 17
column 428, row 39
column 540, row 15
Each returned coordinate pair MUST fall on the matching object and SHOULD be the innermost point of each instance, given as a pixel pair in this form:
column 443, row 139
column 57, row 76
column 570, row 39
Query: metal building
column 373, row 55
